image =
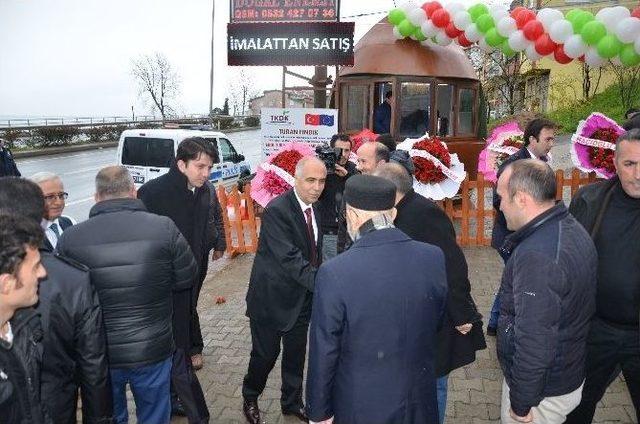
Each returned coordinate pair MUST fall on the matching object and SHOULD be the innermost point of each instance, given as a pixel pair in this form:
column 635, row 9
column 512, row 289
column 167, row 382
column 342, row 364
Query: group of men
column 116, row 303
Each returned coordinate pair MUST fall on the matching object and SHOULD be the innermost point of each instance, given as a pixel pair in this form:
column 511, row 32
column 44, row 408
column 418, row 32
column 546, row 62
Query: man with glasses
column 53, row 222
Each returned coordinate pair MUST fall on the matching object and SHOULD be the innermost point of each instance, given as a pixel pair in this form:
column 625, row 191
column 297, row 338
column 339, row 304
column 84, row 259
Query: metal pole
column 284, row 72
column 213, row 15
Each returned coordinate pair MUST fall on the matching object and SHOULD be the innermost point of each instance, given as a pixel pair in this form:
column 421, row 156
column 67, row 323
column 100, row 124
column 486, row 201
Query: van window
column 142, row 151
column 227, row 150
column 215, row 146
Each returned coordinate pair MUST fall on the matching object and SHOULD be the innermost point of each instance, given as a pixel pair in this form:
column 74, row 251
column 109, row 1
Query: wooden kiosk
column 435, row 89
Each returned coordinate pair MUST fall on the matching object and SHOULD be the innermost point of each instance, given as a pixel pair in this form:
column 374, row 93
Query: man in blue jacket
column 547, row 298
column 376, row 310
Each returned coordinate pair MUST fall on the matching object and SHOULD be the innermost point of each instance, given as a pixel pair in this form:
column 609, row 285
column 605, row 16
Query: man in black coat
column 461, row 333
column 20, row 330
column 74, row 340
column 610, row 211
column 547, row 298
column 136, row 260
column 376, row 310
column 185, row 196
column 281, row 289
column 539, row 137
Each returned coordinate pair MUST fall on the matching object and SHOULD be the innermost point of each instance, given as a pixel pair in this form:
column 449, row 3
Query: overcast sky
column 73, row 57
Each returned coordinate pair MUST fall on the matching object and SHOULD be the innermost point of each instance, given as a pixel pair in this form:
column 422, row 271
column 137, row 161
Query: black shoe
column 251, row 411
column 491, row 331
column 177, row 408
column 298, row 413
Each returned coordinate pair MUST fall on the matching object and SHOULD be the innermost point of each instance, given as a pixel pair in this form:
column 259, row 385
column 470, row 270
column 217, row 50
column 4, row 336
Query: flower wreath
column 276, row 175
column 594, row 144
column 438, row 173
column 503, row 142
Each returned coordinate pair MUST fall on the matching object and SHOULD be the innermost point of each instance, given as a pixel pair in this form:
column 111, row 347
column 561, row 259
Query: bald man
column 281, row 289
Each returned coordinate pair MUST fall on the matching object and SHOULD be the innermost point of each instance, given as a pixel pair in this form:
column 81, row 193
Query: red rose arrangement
column 599, row 156
column 287, row 160
column 425, row 170
column 515, row 141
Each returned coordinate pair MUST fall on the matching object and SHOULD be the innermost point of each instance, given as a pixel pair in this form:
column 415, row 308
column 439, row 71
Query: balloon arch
column 611, row 34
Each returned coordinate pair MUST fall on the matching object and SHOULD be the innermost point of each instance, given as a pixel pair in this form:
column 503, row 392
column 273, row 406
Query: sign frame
column 336, row 18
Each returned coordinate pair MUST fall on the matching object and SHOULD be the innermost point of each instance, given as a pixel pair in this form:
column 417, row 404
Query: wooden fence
column 471, row 211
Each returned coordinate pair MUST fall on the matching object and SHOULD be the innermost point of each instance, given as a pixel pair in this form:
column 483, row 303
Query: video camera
column 330, row 156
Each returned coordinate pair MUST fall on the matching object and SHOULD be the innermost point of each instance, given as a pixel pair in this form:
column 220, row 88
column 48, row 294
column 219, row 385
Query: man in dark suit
column 382, row 115
column 281, row 288
column 461, row 333
column 53, row 222
column 376, row 310
column 539, row 137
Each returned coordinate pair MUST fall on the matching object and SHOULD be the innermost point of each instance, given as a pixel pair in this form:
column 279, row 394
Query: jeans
column 150, row 387
column 442, row 384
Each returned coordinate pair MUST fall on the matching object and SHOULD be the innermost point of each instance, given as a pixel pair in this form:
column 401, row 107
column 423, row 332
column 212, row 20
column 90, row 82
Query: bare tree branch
column 157, row 82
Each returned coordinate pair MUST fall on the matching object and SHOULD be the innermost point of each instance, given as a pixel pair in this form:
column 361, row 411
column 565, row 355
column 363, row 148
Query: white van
column 148, row 154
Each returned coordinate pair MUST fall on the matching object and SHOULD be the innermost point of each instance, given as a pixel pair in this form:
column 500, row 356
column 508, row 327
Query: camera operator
column 331, row 198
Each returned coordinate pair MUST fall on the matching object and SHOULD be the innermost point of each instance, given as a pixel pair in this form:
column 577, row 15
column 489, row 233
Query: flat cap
column 370, row 193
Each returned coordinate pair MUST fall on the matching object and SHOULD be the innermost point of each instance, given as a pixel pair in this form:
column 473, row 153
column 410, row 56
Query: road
column 79, row 169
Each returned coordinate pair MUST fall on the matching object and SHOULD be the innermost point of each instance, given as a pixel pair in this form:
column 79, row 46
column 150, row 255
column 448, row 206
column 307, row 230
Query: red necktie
column 312, row 237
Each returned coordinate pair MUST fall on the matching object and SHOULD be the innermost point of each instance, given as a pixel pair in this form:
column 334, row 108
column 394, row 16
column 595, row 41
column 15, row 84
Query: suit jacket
column 374, row 320
column 282, row 277
column 424, row 221
column 500, row 230
column 65, row 223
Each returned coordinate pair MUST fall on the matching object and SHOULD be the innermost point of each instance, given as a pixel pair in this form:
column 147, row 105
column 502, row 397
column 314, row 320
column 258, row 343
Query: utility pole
column 213, row 15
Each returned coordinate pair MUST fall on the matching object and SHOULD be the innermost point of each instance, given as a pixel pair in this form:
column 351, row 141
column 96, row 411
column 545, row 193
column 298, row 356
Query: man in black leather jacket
column 137, row 260
column 74, row 337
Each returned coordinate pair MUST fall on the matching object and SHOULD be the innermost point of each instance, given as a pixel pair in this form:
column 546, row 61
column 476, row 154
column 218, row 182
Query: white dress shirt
column 304, row 207
column 9, row 336
column 48, row 232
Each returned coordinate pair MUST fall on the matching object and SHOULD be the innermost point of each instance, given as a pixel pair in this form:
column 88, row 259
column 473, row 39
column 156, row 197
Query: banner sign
column 289, row 44
column 303, row 125
column 284, row 10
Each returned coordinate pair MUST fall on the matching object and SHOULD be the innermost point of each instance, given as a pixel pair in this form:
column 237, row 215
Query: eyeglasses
column 52, row 197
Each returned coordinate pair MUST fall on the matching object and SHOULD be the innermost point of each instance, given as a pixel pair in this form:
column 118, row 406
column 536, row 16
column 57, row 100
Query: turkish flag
column 310, row 119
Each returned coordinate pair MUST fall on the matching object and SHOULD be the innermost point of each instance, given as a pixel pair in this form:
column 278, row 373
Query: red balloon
column 452, row 31
column 560, row 55
column 581, row 58
column 462, row 40
column 440, row 18
column 545, row 45
column 532, row 30
column 636, row 13
column 515, row 12
column 524, row 17
column 430, row 7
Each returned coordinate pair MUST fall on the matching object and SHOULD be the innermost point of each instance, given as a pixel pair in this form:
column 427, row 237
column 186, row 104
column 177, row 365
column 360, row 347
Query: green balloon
column 581, row 20
column 419, row 35
column 396, row 16
column 506, row 49
column 628, row 56
column 493, row 38
column 572, row 14
column 485, row 23
column 406, row 28
column 609, row 46
column 592, row 32
column 477, row 10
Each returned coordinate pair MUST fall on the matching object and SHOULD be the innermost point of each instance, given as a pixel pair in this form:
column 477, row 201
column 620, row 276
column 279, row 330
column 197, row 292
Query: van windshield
column 143, row 151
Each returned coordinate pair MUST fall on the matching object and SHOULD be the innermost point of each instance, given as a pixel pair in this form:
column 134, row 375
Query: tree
column 242, row 90
column 225, row 108
column 628, row 79
column 158, row 82
column 590, row 81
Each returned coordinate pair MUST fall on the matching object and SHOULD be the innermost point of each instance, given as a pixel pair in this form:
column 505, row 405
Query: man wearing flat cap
column 376, row 310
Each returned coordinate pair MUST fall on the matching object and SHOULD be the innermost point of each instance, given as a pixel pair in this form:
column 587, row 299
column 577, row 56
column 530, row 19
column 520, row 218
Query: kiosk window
column 444, row 111
column 415, row 104
column 356, row 104
column 465, row 111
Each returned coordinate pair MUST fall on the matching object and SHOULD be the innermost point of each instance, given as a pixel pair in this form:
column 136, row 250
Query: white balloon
column 396, row 33
column 408, row 6
column 548, row 16
column 604, row 15
column 462, row 20
column 517, row 41
column 442, row 39
column 592, row 58
column 484, row 46
column 616, row 61
column 619, row 13
column 574, row 47
column 560, row 31
column 506, row 26
column 532, row 54
column 628, row 29
column 472, row 33
column 454, row 8
column 429, row 29
column 498, row 12
column 427, row 43
column 636, row 45
column 417, row 16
